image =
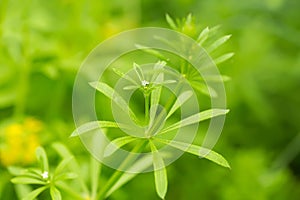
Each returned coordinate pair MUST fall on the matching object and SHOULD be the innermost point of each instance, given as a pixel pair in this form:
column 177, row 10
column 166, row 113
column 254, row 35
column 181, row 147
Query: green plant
column 158, row 123
column 43, row 177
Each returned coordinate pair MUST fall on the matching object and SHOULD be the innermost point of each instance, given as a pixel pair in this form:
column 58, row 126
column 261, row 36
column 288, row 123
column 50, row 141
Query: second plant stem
column 117, row 174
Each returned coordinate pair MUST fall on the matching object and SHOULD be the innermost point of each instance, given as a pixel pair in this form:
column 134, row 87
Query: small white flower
column 145, row 83
column 45, row 175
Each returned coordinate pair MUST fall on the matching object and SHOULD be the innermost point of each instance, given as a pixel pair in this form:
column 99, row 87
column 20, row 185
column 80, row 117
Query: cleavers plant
column 155, row 121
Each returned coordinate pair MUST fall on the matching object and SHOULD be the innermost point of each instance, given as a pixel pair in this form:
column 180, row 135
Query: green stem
column 116, row 176
column 147, row 106
column 95, row 174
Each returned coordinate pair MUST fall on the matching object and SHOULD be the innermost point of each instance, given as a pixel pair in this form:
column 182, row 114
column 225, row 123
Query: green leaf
column 116, row 144
column 155, row 96
column 189, row 20
column 125, row 76
column 218, row 43
column 34, row 173
column 62, row 165
column 167, row 42
column 204, row 115
column 223, row 58
column 157, row 120
column 138, row 71
column 197, row 150
column 160, row 173
column 32, row 195
column 182, row 98
column 64, row 152
column 131, row 87
column 138, row 167
column 114, row 96
column 55, row 193
column 42, row 159
column 27, row 180
column 205, row 89
column 151, row 51
column 203, row 36
column 65, row 176
column 16, row 171
column 95, row 125
column 213, row 78
column 171, row 22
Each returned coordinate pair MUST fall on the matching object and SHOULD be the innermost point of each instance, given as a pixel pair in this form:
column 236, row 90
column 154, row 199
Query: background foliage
column 44, row 42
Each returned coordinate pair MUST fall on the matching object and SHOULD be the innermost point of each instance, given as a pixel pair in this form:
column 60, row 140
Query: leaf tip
column 93, row 84
column 74, row 134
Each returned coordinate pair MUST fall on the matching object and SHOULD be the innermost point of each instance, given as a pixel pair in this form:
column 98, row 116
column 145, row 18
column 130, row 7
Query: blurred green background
column 42, row 44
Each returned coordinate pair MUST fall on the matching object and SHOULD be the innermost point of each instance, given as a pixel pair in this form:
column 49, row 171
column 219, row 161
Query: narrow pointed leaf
column 168, row 82
column 31, row 173
column 203, row 36
column 155, row 96
column 27, row 180
column 171, row 22
column 62, row 165
column 218, row 43
column 158, row 69
column 196, row 118
column 65, row 153
column 95, row 125
column 189, row 19
column 204, row 89
column 55, row 193
column 167, row 42
column 151, row 51
column 138, row 71
column 223, row 58
column 16, row 171
column 213, row 78
column 131, row 87
column 197, row 150
column 116, row 144
column 125, row 76
column 114, row 96
column 42, row 159
column 214, row 30
column 34, row 193
column 165, row 82
column 157, row 120
column 182, row 98
column 160, row 173
column 154, row 102
column 66, row 176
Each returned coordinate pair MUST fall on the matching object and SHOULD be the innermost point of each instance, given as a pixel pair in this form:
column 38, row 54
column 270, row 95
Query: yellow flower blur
column 20, row 141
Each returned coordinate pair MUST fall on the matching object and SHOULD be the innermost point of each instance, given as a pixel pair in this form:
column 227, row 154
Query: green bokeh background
column 42, row 44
